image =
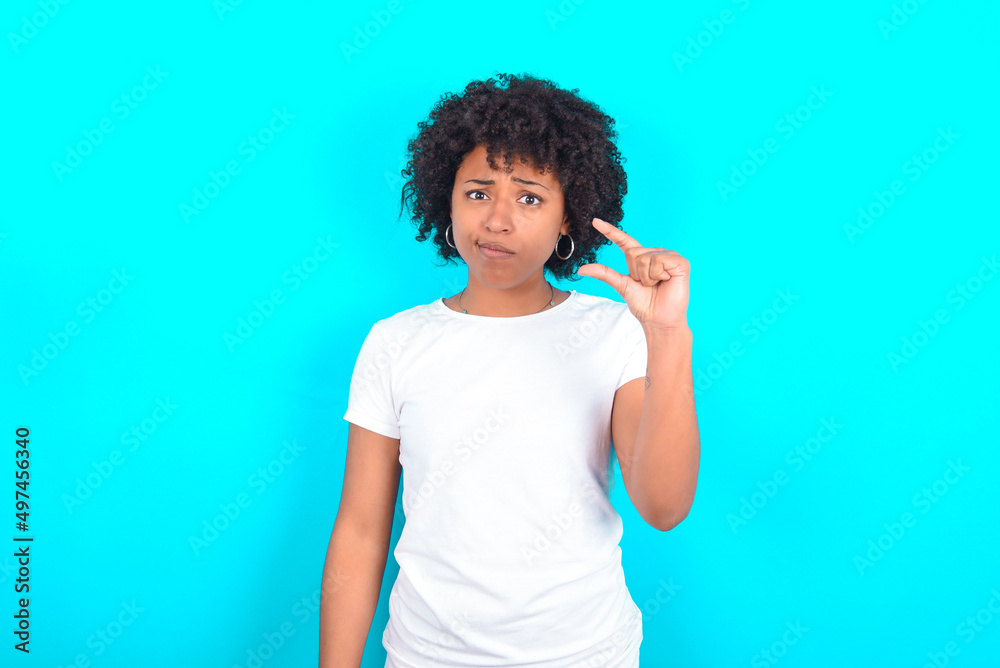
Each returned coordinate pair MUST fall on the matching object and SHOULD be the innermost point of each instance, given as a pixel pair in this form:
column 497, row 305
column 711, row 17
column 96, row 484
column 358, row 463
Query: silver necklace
column 552, row 302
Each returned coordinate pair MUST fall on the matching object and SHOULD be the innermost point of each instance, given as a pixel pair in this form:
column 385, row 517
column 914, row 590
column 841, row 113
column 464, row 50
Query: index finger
column 617, row 235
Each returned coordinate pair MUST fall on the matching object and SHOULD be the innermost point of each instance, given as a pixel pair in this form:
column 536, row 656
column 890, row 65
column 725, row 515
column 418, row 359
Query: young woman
column 499, row 404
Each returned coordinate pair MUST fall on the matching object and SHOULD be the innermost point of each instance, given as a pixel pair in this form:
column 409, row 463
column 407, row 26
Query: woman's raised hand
column 656, row 286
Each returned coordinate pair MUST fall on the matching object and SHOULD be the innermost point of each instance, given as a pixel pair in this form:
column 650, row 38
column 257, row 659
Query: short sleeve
column 634, row 347
column 370, row 403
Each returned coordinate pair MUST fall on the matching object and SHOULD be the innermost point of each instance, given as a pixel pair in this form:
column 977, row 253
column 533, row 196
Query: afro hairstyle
column 531, row 119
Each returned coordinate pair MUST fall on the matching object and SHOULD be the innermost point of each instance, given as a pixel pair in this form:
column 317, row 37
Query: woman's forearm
column 352, row 579
column 667, row 449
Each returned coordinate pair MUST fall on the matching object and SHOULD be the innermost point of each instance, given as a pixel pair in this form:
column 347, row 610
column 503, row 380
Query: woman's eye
column 530, row 200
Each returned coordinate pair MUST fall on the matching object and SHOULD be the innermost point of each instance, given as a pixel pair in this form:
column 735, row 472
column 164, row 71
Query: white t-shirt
column 510, row 552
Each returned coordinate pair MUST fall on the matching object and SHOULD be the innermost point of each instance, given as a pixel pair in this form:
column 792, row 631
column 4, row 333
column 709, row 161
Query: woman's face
column 522, row 211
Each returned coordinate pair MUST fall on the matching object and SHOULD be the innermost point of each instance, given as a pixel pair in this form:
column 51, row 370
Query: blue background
column 696, row 94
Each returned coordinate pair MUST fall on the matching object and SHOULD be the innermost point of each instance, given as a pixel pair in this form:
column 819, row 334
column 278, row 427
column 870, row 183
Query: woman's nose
column 498, row 218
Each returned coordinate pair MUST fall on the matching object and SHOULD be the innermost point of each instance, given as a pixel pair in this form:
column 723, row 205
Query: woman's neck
column 505, row 303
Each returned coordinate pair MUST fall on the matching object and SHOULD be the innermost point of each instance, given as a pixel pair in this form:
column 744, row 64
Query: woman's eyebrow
column 489, row 183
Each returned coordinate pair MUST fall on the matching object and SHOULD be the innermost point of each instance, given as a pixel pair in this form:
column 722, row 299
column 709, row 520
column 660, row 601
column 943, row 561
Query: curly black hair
column 541, row 124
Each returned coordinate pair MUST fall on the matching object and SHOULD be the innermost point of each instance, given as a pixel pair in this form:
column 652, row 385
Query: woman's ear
column 564, row 229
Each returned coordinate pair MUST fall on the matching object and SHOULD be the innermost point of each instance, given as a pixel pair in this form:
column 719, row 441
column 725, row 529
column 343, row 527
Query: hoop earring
column 571, row 248
column 446, row 236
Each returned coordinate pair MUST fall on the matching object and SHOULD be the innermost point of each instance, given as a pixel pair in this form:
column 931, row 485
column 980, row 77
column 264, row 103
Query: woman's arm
column 654, row 427
column 359, row 547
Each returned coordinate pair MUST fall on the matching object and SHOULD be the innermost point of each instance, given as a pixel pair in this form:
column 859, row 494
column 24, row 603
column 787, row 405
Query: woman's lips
column 494, row 254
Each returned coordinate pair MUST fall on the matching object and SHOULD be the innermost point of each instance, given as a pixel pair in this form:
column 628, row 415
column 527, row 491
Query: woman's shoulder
column 595, row 306
column 408, row 319
column 596, row 313
column 588, row 300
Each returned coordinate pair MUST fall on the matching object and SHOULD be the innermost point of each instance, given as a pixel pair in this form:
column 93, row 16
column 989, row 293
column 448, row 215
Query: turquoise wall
column 200, row 225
